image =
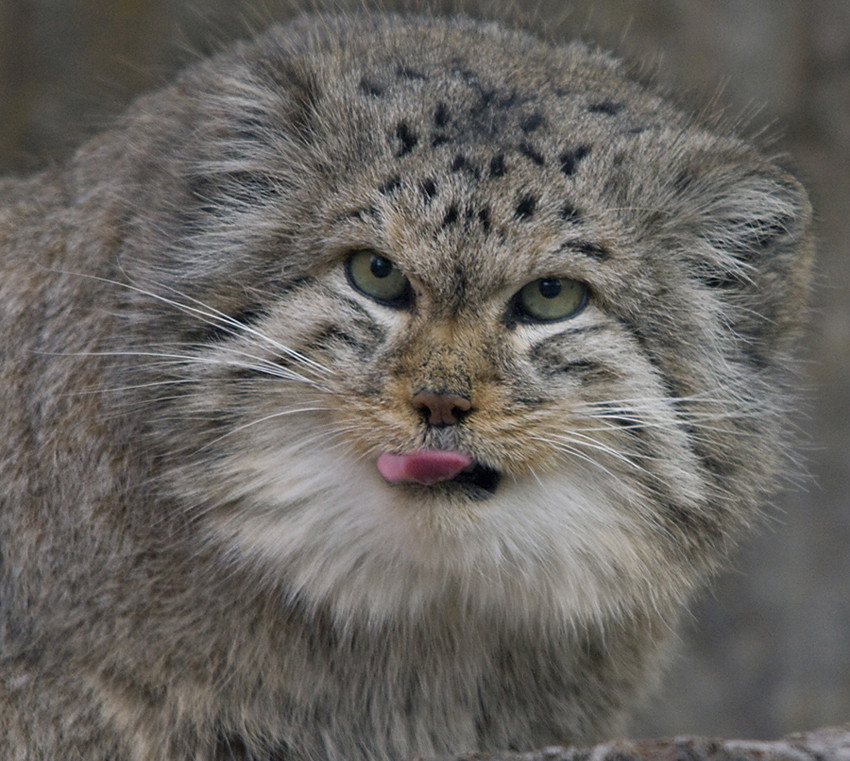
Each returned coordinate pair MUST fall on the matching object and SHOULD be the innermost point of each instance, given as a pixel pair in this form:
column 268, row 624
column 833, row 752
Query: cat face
column 448, row 331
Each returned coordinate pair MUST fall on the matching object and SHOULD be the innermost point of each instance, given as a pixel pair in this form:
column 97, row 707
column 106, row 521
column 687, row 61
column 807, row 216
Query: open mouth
column 429, row 467
column 480, row 477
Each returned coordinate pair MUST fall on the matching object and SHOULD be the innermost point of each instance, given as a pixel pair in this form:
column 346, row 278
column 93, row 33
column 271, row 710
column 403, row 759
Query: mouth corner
column 484, row 479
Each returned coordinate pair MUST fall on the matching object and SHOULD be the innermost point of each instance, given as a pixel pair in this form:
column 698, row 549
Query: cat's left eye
column 550, row 299
column 378, row 277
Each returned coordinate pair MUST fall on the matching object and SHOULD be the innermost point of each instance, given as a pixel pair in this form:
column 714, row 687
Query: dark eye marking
column 552, row 362
column 363, row 316
column 362, row 343
column 594, row 250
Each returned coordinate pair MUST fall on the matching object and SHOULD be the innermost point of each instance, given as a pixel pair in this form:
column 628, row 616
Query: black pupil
column 380, row 267
column 550, row 287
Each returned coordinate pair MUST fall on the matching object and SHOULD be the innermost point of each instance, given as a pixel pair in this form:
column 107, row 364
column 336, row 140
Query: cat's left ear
column 753, row 242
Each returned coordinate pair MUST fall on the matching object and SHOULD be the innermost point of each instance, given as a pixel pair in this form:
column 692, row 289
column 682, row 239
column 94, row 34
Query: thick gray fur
column 199, row 557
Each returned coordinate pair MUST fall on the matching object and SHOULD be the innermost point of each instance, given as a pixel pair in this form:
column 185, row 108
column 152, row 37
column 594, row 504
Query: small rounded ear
column 754, row 246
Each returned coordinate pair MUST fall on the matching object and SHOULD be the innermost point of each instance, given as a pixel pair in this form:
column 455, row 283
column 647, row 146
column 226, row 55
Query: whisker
column 213, row 316
column 131, row 387
column 258, row 421
column 265, row 366
column 571, row 450
column 589, row 443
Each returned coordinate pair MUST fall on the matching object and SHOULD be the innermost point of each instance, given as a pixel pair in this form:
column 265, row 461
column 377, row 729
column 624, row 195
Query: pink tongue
column 426, row 466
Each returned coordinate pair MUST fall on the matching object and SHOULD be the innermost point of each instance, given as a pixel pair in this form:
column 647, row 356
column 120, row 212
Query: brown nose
column 442, row 409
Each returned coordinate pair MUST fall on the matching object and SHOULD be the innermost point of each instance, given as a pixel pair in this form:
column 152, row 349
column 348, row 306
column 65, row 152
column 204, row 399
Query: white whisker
column 565, row 448
column 211, row 315
column 258, row 421
column 587, row 443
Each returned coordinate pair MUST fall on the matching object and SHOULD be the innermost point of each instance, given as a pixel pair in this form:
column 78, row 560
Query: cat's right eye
column 377, row 277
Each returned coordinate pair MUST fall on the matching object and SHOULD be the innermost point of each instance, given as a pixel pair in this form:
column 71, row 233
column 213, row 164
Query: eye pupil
column 380, row 267
column 550, row 299
column 379, row 278
column 550, row 287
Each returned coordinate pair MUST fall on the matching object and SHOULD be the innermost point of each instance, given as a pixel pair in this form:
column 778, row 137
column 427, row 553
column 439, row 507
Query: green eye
column 550, row 299
column 377, row 277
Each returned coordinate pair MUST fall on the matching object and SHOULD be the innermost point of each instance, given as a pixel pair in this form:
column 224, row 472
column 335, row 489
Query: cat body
column 382, row 387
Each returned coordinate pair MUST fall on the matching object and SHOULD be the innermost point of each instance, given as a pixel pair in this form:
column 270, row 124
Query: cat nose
column 441, row 408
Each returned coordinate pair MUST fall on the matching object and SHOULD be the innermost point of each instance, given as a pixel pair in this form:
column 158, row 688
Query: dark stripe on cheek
column 550, row 361
column 672, row 387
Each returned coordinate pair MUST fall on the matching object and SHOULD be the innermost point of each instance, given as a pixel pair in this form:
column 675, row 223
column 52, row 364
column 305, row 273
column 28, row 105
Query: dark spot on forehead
column 570, row 159
column 497, row 165
column 607, row 107
column 428, row 188
column 460, row 71
column 484, row 218
column 406, row 137
column 390, row 186
column 569, row 213
column 566, row 92
column 440, row 139
column 441, row 115
column 461, row 163
column 405, row 72
column 530, row 152
column 451, row 215
column 371, row 86
column 531, row 123
column 525, row 207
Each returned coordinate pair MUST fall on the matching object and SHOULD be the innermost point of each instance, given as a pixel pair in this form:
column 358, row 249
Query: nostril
column 442, row 409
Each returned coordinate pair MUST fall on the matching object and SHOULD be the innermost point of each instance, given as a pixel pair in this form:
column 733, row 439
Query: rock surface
column 826, row 744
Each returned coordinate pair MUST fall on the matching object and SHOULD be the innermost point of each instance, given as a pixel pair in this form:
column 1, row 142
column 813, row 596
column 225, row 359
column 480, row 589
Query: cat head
column 439, row 311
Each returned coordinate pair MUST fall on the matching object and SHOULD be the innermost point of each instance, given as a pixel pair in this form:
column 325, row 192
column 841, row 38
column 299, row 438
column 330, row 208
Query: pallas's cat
column 384, row 386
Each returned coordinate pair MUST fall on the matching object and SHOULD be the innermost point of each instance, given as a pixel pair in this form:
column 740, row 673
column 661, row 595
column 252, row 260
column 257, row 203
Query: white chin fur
column 548, row 550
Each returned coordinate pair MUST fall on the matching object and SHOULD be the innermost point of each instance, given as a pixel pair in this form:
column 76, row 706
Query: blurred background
column 767, row 650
